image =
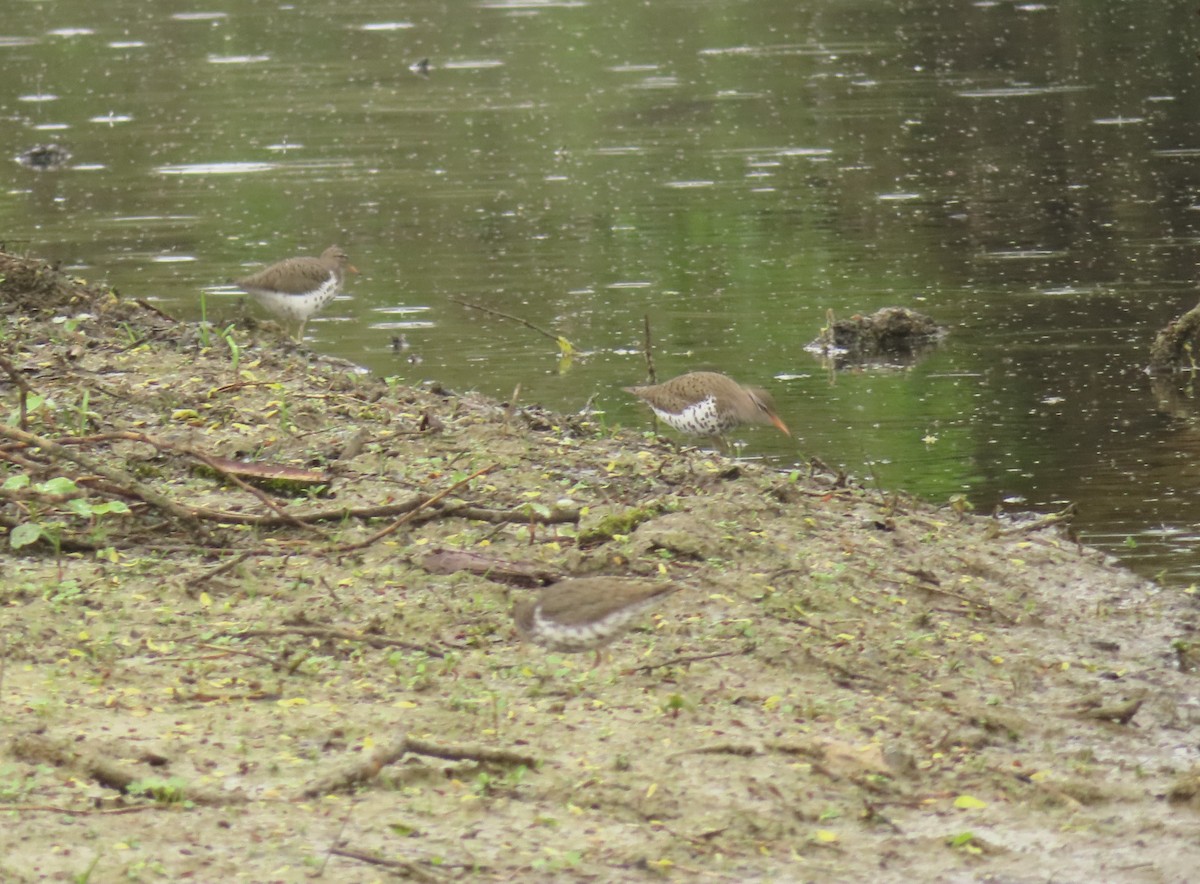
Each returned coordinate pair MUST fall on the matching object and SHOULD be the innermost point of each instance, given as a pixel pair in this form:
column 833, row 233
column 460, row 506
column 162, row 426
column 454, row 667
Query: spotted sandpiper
column 586, row 613
column 296, row 288
column 705, row 403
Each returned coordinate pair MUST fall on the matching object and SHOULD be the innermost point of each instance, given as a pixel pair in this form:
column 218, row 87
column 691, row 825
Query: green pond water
column 1025, row 173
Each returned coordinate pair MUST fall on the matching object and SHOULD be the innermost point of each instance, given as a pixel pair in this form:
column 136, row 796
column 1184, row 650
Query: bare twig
column 119, row 477
column 105, row 771
column 375, row 641
column 926, row 584
column 683, row 661
column 520, row 515
column 229, row 652
column 428, row 502
column 511, row 408
column 71, row 811
column 406, row 509
column 742, row 750
column 228, row 565
column 1062, row 517
column 157, row 311
column 407, row 870
column 462, row 752
column 26, row 391
column 648, row 350
column 368, row 769
column 525, row 322
column 337, row 838
column 263, row 498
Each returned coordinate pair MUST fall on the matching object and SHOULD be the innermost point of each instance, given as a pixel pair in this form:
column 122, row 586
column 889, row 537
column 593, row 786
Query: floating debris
column 1175, row 344
column 43, row 157
column 892, row 332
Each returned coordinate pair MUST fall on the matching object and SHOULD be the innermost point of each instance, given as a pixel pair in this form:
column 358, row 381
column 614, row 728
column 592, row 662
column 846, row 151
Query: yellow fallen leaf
column 826, row 836
column 969, row 802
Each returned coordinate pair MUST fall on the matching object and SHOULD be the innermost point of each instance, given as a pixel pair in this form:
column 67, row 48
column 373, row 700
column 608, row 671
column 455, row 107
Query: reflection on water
column 215, row 168
column 1025, row 174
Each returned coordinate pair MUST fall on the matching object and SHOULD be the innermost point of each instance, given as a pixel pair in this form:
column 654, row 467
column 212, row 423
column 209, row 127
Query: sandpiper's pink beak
column 777, row 422
column 352, row 268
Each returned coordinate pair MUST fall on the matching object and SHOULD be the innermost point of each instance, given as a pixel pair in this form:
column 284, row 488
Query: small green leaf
column 969, row 802
column 112, row 506
column 16, row 483
column 962, row 838
column 58, row 485
column 79, row 506
column 25, row 534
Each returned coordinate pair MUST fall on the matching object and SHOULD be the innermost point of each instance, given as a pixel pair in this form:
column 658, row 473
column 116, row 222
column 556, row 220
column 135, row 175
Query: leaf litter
column 239, row 677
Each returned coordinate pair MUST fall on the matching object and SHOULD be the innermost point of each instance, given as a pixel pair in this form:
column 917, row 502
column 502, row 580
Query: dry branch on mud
column 855, row 674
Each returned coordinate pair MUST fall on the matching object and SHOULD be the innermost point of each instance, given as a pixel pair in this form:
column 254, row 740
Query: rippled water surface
column 1025, row 173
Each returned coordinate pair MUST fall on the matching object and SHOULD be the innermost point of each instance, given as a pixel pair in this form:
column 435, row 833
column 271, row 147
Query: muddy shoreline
column 233, row 648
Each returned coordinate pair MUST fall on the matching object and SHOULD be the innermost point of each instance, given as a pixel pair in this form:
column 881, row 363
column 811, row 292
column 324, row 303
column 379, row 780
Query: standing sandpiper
column 296, row 288
column 705, row 403
column 586, row 613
